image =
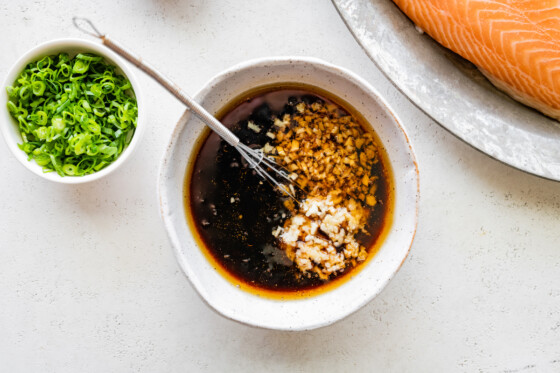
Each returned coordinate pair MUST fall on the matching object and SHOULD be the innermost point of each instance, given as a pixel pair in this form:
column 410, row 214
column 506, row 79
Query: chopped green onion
column 25, row 93
column 38, row 88
column 75, row 115
column 80, row 67
column 43, row 63
column 89, row 57
column 69, row 169
column 39, row 117
column 12, row 108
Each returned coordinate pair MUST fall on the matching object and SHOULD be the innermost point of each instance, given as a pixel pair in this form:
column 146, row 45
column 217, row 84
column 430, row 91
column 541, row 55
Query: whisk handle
column 174, row 89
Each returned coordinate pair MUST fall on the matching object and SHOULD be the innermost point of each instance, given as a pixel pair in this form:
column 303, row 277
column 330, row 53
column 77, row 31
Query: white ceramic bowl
column 334, row 304
column 9, row 127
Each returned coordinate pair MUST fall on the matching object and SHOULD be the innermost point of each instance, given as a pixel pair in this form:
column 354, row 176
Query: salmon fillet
column 515, row 43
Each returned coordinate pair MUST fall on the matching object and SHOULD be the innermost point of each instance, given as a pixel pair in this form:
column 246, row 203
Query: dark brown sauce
column 234, row 211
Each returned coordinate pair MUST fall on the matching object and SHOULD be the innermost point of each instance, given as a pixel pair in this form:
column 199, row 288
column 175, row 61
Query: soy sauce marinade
column 235, row 211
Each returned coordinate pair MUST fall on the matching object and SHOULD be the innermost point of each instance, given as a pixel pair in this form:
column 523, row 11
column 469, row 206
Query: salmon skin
column 515, row 43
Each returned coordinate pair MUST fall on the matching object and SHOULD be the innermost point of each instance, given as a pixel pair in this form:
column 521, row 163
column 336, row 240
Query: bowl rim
column 163, row 197
column 65, row 44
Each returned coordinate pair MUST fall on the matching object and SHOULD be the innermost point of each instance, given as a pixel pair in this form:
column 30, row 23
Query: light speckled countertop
column 89, row 282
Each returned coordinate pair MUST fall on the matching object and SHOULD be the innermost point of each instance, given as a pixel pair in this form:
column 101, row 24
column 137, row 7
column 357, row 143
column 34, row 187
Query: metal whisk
column 255, row 157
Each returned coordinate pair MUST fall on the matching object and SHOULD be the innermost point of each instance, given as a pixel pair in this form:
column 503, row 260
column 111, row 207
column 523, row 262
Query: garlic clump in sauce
column 321, row 237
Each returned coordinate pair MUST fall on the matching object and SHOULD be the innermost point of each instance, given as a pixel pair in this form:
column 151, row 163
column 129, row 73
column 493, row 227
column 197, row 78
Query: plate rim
column 339, row 8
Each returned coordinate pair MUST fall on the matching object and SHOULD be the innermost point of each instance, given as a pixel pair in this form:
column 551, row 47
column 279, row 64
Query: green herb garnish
column 75, row 116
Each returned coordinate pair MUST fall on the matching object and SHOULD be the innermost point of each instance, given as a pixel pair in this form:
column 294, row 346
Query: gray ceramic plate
column 452, row 91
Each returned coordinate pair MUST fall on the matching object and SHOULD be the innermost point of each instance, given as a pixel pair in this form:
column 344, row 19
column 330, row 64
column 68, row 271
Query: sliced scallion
column 72, row 113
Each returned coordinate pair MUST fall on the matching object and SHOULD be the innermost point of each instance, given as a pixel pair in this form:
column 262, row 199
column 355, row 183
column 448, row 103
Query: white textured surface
column 89, row 283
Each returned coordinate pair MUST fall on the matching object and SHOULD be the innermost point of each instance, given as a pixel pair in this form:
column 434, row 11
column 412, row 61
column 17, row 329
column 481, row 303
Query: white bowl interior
column 9, row 126
column 330, row 306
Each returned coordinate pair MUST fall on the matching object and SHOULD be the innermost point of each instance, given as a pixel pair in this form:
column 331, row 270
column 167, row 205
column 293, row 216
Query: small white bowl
column 333, row 304
column 9, row 126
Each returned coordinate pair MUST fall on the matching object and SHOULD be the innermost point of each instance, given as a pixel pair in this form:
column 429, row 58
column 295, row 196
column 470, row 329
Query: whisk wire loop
column 256, row 157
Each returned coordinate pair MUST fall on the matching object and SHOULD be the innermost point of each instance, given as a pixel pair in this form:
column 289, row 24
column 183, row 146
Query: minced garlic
column 320, row 238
